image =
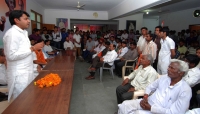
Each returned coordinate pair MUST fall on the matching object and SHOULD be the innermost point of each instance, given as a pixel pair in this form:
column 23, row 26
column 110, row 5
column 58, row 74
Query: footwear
column 90, row 78
column 91, row 69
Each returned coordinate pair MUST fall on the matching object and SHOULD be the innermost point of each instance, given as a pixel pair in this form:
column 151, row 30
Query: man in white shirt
column 150, row 47
column 68, row 44
column 3, row 79
column 108, row 59
column 140, row 77
column 193, row 77
column 47, row 48
column 167, row 51
column 18, row 52
column 122, row 51
column 124, row 36
column 77, row 43
column 171, row 94
column 141, row 42
column 56, row 37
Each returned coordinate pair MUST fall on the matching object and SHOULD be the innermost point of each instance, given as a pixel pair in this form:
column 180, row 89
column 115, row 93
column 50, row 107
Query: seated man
column 68, row 44
column 90, row 45
column 130, row 55
column 48, row 49
column 122, row 51
column 141, row 78
column 193, row 77
column 108, row 58
column 3, row 80
column 171, row 94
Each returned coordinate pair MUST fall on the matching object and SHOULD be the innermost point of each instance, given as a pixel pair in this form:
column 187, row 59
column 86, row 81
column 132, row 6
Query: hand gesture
column 3, row 19
column 125, row 81
column 145, row 105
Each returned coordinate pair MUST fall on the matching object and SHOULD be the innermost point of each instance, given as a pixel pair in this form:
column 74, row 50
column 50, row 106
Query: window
column 36, row 20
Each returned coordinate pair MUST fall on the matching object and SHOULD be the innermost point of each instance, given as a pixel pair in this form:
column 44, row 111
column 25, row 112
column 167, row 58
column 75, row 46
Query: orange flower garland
column 48, row 81
column 40, row 56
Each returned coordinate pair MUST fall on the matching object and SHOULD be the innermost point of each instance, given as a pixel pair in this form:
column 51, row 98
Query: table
column 51, row 100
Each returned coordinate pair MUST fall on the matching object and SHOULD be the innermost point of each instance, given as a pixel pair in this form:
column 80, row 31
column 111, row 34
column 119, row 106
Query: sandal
column 90, row 78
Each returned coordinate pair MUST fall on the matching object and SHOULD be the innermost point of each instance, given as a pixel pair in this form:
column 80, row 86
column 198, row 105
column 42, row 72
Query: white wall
column 32, row 5
column 51, row 15
column 180, row 20
column 138, row 18
column 150, row 24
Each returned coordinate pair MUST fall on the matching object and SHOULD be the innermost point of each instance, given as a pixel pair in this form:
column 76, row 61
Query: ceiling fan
column 79, row 7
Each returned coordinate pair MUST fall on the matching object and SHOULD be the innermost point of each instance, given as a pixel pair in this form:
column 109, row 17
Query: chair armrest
column 130, row 61
column 138, row 93
column 4, row 89
column 125, row 77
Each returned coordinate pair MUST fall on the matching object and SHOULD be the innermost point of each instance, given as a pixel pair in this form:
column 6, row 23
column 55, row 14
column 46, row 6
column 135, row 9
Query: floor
column 93, row 96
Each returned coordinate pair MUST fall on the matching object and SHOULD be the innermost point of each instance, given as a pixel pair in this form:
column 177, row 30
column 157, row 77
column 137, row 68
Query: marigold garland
column 48, row 81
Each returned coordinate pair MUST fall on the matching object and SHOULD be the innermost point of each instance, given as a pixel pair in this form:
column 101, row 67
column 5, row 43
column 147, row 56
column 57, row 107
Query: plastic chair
column 108, row 68
column 129, row 67
column 139, row 93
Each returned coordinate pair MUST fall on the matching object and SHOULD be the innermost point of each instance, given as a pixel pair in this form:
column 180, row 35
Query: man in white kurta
column 141, row 42
column 18, row 52
column 166, row 52
column 171, row 94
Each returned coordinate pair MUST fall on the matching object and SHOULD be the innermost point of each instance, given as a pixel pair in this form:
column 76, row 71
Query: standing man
column 77, row 43
column 18, row 52
column 157, row 41
column 167, row 51
column 142, row 40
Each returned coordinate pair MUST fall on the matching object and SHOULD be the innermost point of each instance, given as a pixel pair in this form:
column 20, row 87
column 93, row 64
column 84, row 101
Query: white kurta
column 164, row 55
column 110, row 57
column 141, row 43
column 19, row 60
column 165, row 100
column 193, row 76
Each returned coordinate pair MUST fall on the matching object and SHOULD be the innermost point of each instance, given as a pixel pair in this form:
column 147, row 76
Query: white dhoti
column 131, row 107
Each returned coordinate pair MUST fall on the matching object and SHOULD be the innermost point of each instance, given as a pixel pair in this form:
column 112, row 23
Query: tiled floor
column 93, row 96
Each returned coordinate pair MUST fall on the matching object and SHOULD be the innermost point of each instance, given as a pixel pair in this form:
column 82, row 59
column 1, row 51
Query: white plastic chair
column 129, row 67
column 138, row 93
column 108, row 68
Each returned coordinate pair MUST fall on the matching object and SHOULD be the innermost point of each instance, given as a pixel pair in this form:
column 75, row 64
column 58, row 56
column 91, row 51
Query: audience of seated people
column 141, row 78
column 131, row 54
column 163, row 46
column 107, row 60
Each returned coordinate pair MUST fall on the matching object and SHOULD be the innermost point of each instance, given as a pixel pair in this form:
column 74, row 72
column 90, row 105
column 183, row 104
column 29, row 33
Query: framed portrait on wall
column 131, row 24
column 62, row 23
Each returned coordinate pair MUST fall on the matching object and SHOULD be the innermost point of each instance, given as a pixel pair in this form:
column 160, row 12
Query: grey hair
column 183, row 65
column 150, row 58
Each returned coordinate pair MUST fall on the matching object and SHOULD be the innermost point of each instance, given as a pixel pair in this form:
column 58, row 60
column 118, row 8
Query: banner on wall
column 6, row 6
column 62, row 23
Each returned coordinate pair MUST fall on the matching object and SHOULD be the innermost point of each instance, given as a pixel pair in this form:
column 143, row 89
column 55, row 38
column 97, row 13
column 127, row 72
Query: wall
column 32, row 5
column 180, row 20
column 51, row 15
column 137, row 17
column 150, row 24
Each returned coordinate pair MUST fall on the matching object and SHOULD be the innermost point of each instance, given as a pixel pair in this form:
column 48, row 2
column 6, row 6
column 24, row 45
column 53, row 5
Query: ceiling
column 171, row 6
column 93, row 5
column 106, row 5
